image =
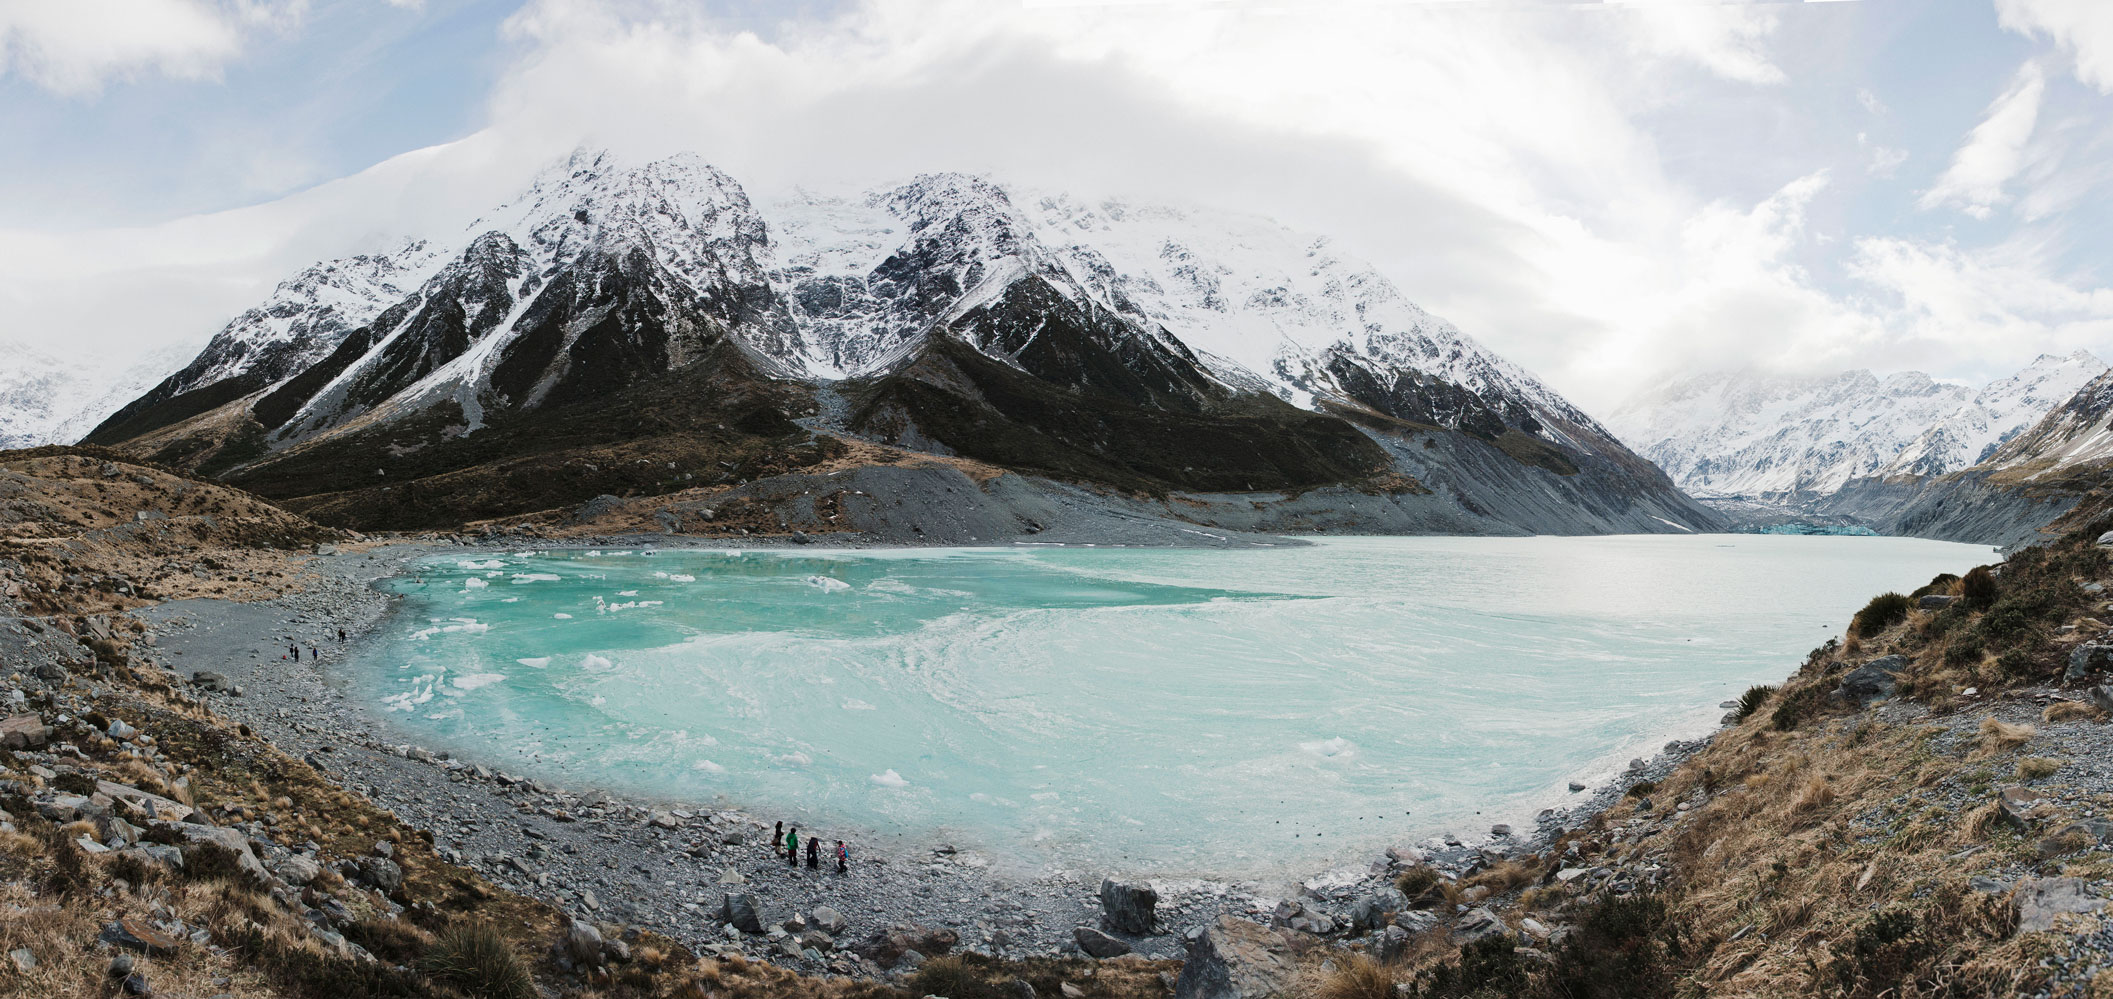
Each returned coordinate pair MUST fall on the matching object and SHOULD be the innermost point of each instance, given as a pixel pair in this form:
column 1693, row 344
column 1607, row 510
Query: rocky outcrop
column 1236, row 959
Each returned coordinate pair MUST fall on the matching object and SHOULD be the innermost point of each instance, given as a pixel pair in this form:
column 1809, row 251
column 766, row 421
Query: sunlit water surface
column 1223, row 712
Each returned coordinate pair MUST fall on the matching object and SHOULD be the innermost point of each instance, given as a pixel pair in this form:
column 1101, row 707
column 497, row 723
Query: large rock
column 24, row 732
column 740, row 910
column 1872, row 681
column 583, row 944
column 382, row 873
column 1476, row 924
column 151, row 806
column 2042, row 899
column 1098, row 944
column 828, row 920
column 1129, row 907
column 203, row 837
column 1372, row 911
column 2087, row 661
column 889, row 945
column 1235, row 959
column 297, row 870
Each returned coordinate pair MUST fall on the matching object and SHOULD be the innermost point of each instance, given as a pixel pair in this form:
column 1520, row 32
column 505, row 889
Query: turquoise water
column 1168, row 711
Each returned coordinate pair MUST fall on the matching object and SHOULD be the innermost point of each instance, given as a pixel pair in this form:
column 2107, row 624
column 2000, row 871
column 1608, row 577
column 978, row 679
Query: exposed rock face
column 1237, row 959
column 1129, row 907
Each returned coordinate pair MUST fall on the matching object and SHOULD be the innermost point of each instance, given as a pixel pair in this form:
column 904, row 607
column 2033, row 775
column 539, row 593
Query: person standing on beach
column 777, row 841
column 814, row 853
column 341, row 635
column 843, row 857
column 792, row 846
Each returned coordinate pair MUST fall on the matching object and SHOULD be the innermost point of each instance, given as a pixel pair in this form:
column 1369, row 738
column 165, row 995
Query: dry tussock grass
column 1354, row 977
column 2061, row 711
column 2036, row 767
column 1998, row 736
column 1509, row 875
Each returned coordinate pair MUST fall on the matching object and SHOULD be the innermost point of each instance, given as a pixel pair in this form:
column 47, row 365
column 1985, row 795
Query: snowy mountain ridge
column 1141, row 347
column 1787, row 439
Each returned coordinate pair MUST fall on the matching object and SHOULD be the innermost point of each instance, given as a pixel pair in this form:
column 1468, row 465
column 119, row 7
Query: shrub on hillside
column 1488, row 967
column 476, row 959
column 1978, row 589
column 1884, row 611
column 1941, row 583
column 1755, row 696
column 1621, row 948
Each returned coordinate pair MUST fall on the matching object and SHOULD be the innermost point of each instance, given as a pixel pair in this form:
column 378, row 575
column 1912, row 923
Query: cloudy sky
column 1604, row 192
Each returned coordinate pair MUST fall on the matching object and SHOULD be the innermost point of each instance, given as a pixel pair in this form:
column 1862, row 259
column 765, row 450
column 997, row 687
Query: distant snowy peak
column 1774, row 437
column 1761, row 436
column 2000, row 411
column 2079, row 432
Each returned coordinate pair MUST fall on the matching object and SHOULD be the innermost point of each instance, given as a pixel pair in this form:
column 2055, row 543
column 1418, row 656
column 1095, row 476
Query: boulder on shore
column 1129, row 907
column 1098, row 944
column 1236, row 959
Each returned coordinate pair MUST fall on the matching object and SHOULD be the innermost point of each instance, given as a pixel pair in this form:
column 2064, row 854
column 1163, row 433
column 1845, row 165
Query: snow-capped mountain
column 2001, row 410
column 49, row 399
column 1790, row 439
column 1132, row 345
column 1780, row 438
column 2075, row 434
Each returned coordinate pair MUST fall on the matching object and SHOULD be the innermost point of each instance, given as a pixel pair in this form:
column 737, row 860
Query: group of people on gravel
column 786, row 843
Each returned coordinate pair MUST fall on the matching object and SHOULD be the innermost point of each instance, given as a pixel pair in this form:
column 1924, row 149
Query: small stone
column 22, row 958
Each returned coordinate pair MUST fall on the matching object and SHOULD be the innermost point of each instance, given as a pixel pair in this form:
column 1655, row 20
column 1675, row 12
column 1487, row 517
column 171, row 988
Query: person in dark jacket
column 814, row 854
column 777, row 841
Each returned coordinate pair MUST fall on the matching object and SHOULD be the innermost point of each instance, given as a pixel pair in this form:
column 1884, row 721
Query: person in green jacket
column 792, row 846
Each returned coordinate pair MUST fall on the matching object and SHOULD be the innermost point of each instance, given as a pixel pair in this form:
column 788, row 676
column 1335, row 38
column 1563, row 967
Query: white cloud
column 1497, row 161
column 2084, row 27
column 1728, row 40
column 1948, row 303
column 73, row 47
column 1994, row 152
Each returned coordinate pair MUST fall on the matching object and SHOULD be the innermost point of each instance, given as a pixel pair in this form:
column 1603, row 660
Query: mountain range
column 639, row 329
column 1904, row 453
column 1790, row 440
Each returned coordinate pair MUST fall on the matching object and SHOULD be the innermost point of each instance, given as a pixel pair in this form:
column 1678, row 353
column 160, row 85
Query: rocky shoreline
column 673, row 868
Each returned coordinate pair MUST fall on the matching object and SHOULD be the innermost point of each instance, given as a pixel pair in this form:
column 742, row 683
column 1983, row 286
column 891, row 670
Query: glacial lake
column 1240, row 713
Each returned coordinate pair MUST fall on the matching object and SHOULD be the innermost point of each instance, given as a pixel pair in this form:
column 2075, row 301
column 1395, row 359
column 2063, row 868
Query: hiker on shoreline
column 814, row 854
column 777, row 841
column 792, row 846
column 843, row 857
